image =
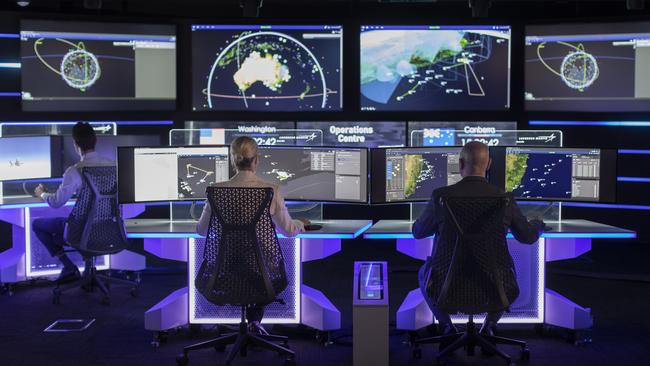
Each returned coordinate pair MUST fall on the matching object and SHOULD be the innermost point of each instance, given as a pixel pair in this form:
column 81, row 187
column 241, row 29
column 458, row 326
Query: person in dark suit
column 474, row 163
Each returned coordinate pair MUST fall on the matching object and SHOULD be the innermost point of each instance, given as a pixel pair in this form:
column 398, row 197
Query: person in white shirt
column 244, row 156
column 50, row 230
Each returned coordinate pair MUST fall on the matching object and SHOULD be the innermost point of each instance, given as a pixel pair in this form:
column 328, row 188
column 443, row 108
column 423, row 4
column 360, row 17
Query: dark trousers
column 254, row 313
column 49, row 230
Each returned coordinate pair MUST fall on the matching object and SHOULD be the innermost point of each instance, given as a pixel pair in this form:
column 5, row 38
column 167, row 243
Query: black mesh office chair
column 472, row 272
column 242, row 266
column 94, row 229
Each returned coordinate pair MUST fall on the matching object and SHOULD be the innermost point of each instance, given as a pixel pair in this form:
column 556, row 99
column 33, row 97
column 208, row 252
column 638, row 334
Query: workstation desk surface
column 335, row 229
column 572, row 228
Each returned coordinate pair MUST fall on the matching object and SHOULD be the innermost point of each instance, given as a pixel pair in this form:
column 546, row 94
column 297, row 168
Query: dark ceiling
column 526, row 9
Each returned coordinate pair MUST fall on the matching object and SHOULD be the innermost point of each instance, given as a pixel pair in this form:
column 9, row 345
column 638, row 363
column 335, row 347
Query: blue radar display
column 267, row 68
column 419, row 68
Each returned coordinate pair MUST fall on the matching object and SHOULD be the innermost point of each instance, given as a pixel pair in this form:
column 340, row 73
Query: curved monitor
column 151, row 174
column 412, row 174
column 316, row 174
column 555, row 174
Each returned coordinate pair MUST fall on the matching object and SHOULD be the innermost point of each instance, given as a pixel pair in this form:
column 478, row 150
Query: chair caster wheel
column 106, row 300
column 182, row 360
column 290, row 362
column 155, row 344
column 417, row 354
column 135, row 292
column 525, row 354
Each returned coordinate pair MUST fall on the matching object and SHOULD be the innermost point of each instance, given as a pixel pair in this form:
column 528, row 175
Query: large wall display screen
column 588, row 67
column 267, row 67
column 425, row 68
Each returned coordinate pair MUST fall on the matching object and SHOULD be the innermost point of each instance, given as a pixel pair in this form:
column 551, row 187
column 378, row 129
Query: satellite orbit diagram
column 578, row 70
column 79, row 68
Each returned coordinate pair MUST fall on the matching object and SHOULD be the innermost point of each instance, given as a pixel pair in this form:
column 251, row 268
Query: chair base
column 241, row 341
column 90, row 280
column 470, row 339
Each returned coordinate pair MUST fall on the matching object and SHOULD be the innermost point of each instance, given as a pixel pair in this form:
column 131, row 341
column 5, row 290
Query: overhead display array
column 81, row 66
column 293, row 68
column 588, row 67
column 425, row 68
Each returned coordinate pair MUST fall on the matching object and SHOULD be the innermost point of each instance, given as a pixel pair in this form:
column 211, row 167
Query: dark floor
column 621, row 335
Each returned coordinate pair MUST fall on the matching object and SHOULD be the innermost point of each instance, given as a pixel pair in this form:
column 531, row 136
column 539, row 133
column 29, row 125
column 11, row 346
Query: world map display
column 432, row 69
column 539, row 175
column 423, row 174
column 267, row 69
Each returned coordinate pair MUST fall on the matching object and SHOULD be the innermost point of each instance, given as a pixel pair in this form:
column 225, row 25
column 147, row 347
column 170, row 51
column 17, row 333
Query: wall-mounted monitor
column 594, row 67
column 83, row 66
column 316, row 174
column 150, row 174
column 9, row 69
column 447, row 133
column 412, row 174
column 33, row 157
column 555, row 174
column 350, row 133
column 430, row 68
column 291, row 68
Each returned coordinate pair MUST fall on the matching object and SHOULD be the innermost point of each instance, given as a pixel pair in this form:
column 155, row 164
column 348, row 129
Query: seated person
column 474, row 163
column 244, row 156
column 50, row 230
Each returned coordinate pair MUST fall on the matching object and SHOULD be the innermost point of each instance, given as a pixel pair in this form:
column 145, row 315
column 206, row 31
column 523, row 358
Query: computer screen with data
column 588, row 67
column 292, row 68
column 556, row 174
column 317, row 174
column 412, row 174
column 34, row 157
column 84, row 66
column 428, row 68
column 150, row 174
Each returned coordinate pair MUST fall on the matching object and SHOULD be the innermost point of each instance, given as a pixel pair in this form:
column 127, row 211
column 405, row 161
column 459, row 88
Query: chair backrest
column 242, row 260
column 472, row 270
column 95, row 225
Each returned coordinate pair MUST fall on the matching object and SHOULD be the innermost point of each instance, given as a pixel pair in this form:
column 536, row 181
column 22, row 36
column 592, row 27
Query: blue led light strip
column 9, row 94
column 606, row 205
column 591, row 123
column 9, row 35
column 633, row 152
column 510, row 236
column 9, row 65
column 633, row 179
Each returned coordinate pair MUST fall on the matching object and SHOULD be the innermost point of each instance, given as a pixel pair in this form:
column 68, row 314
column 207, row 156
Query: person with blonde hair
column 245, row 157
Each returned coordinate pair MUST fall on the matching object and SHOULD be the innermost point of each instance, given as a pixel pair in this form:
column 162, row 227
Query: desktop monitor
column 412, row 174
column 316, row 174
column 291, row 68
column 84, row 66
column 555, row 174
column 107, row 146
column 150, row 174
column 353, row 134
column 430, row 68
column 594, row 67
column 33, row 157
